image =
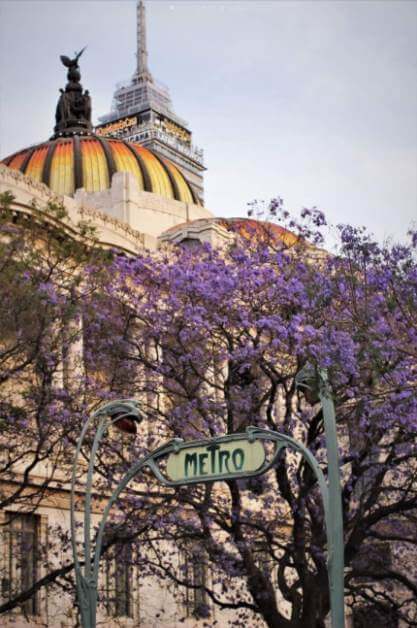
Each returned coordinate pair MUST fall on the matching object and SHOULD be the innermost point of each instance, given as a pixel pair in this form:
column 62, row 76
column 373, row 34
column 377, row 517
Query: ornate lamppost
column 124, row 414
column 315, row 382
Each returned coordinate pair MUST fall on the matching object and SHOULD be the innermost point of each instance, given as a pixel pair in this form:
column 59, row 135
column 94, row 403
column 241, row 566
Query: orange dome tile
column 69, row 163
column 250, row 228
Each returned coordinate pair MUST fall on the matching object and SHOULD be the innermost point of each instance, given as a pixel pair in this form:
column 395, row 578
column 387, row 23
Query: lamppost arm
column 130, row 474
column 87, row 583
column 80, row 580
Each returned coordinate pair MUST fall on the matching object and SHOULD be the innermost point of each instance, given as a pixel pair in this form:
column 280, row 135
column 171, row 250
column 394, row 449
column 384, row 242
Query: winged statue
column 73, row 111
column 72, row 63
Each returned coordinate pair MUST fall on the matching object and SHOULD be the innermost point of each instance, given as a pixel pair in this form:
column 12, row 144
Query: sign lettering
column 119, row 125
column 216, row 459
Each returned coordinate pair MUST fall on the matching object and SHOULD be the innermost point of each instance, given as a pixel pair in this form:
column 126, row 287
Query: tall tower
column 142, row 111
column 142, row 50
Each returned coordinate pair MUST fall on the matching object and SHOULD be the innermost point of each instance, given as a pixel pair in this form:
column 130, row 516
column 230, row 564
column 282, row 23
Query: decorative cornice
column 193, row 229
column 28, row 182
column 29, row 185
column 95, row 214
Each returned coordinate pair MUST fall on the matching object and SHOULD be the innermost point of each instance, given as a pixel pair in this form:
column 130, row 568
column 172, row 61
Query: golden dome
column 66, row 164
column 259, row 230
column 248, row 228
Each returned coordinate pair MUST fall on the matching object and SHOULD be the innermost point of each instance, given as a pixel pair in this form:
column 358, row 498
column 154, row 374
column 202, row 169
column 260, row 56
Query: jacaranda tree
column 210, row 341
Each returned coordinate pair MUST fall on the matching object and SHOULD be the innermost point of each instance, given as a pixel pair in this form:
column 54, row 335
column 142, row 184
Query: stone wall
column 143, row 211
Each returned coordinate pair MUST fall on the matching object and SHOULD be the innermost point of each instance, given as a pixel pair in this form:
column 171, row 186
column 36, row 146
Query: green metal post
column 86, row 583
column 83, row 585
column 336, row 549
column 316, row 380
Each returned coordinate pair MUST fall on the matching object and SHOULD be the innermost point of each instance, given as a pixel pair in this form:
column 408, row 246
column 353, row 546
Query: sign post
column 234, row 456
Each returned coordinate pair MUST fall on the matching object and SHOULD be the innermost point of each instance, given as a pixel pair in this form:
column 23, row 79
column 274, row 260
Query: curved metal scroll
column 252, row 433
column 88, row 584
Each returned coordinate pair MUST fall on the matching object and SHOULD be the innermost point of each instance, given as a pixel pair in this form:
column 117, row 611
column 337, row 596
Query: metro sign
column 215, row 460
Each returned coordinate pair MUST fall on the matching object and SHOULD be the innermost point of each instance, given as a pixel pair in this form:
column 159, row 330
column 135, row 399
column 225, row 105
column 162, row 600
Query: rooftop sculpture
column 73, row 111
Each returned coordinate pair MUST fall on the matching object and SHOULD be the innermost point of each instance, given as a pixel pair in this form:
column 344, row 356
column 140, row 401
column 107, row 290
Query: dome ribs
column 26, row 160
column 126, row 161
column 88, row 161
column 175, row 188
column 16, row 160
column 186, row 193
column 111, row 164
column 146, row 178
column 46, row 170
column 78, row 163
column 7, row 160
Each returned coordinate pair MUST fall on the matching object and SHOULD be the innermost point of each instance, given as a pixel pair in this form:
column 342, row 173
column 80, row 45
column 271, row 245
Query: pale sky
column 313, row 101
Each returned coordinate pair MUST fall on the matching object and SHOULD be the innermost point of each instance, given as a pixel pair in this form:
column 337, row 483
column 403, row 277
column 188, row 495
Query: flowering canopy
column 210, row 341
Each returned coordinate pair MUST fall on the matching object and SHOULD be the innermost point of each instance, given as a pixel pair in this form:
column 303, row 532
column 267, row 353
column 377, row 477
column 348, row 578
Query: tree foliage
column 43, row 399
column 210, row 341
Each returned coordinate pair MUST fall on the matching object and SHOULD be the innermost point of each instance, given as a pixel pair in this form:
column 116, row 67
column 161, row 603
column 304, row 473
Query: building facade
column 137, row 181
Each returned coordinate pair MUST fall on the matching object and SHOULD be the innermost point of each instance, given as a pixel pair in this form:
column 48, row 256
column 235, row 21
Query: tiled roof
column 69, row 163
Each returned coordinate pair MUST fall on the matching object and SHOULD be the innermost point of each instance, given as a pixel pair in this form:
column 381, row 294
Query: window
column 21, row 534
column 119, row 600
column 195, row 573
